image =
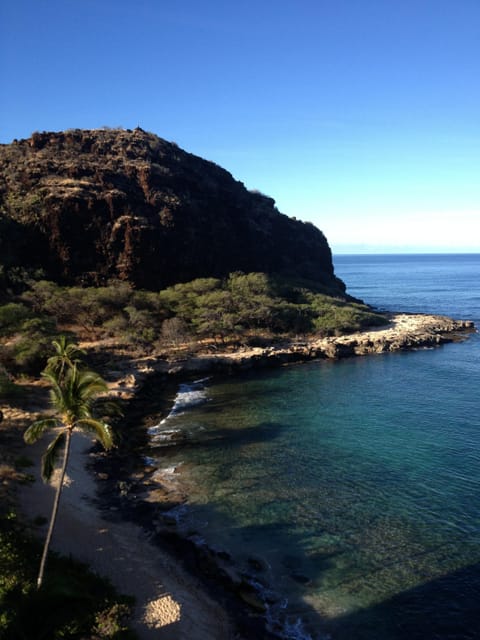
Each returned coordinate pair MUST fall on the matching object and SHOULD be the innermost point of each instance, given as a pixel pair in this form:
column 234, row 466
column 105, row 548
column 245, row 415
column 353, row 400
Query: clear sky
column 361, row 116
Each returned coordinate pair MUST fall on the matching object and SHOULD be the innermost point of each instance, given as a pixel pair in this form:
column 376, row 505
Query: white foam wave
column 168, row 471
column 165, row 437
column 177, row 513
column 276, row 618
column 167, row 474
column 188, row 396
column 296, row 631
column 153, row 430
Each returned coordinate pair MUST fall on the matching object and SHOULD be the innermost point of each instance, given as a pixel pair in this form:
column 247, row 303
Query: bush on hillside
column 237, row 307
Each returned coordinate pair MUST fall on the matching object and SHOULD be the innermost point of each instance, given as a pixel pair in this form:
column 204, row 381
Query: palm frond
column 56, row 393
column 100, row 429
column 67, row 355
column 90, row 384
column 67, row 349
column 51, row 454
column 38, row 428
column 50, row 376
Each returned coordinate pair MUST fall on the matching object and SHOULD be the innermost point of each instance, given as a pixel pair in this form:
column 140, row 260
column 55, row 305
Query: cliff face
column 87, row 206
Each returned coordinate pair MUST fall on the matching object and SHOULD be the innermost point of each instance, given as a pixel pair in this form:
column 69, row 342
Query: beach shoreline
column 169, row 600
column 171, row 597
column 404, row 332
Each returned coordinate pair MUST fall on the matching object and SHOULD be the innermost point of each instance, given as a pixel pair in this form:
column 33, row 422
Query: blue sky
column 361, row 116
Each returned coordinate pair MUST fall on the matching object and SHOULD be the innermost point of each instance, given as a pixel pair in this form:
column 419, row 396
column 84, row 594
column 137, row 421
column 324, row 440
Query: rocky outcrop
column 87, row 206
column 404, row 332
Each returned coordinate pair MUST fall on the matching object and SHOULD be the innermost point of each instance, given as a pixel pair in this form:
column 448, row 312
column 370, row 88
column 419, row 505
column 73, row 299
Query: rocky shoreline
column 404, row 332
column 127, row 491
column 149, row 500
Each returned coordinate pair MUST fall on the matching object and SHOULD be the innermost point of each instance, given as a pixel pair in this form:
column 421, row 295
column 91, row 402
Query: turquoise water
column 353, row 485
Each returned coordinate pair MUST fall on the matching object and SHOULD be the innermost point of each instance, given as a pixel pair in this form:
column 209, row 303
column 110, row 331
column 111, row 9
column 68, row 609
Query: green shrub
column 181, row 299
column 334, row 315
column 8, row 389
column 33, row 346
column 114, row 297
column 117, row 325
column 237, row 307
column 12, row 316
column 174, row 331
column 47, row 297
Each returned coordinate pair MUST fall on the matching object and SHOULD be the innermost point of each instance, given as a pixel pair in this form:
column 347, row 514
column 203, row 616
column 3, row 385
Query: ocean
column 348, row 492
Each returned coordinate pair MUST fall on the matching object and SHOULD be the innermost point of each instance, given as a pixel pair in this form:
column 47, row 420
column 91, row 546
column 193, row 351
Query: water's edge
column 246, row 596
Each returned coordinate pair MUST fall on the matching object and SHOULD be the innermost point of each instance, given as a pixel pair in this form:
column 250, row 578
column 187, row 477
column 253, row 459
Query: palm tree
column 72, row 397
column 67, row 354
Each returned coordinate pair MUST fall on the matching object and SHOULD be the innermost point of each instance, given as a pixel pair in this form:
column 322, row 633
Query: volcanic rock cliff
column 89, row 205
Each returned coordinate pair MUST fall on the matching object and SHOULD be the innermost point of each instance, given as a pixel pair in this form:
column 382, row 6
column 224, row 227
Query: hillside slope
column 90, row 205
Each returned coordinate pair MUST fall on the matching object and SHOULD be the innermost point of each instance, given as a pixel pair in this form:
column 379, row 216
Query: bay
column 348, row 491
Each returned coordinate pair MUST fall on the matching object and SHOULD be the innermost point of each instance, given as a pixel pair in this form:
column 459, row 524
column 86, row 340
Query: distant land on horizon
column 361, row 249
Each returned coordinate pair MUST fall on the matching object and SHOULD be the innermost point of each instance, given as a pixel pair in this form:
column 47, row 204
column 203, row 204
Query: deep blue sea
column 349, row 491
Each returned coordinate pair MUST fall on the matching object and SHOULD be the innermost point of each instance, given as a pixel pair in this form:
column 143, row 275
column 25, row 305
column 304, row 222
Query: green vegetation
column 245, row 305
column 232, row 311
column 73, row 393
column 73, row 602
column 32, row 336
column 8, row 388
column 241, row 309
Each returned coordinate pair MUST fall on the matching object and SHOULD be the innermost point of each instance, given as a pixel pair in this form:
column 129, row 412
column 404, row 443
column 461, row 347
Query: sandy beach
column 170, row 604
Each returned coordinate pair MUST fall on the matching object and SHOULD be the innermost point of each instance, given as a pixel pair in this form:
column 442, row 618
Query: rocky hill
column 90, row 205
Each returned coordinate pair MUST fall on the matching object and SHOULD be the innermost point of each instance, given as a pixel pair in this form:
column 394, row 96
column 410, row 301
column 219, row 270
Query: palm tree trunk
column 56, row 502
